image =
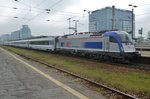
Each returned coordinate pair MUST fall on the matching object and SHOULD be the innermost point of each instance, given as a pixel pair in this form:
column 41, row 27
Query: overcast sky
column 32, row 13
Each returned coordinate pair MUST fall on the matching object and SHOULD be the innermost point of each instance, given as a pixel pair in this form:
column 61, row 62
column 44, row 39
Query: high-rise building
column 15, row 35
column 22, row 33
column 110, row 18
column 25, row 32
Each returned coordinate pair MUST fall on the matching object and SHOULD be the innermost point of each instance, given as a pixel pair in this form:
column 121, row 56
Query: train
column 110, row 45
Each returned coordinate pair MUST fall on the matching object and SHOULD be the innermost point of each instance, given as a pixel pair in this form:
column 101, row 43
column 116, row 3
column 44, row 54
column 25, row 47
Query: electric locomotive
column 110, row 45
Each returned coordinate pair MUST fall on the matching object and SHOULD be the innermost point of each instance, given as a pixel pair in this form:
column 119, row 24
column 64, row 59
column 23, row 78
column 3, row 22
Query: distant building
column 25, row 32
column 15, row 35
column 4, row 38
column 110, row 18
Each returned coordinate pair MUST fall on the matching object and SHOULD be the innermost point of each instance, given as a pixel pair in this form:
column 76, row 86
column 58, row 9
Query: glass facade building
column 25, row 32
column 4, row 38
column 110, row 18
column 15, row 35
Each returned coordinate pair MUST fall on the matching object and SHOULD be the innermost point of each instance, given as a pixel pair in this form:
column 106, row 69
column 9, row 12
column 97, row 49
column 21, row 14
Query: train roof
column 38, row 37
column 35, row 38
column 42, row 39
column 85, row 34
column 82, row 34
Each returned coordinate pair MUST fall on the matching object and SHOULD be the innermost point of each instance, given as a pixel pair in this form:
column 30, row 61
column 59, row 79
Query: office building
column 15, row 35
column 110, row 18
column 4, row 38
column 25, row 32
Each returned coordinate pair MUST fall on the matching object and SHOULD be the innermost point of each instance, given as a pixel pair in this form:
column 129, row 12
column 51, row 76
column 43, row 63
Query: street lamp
column 15, row 17
column 47, row 20
column 15, row 8
column 133, row 6
column 76, row 21
column 89, row 12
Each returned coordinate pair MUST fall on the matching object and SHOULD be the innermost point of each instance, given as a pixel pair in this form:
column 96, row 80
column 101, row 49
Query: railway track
column 115, row 91
column 139, row 66
column 143, row 63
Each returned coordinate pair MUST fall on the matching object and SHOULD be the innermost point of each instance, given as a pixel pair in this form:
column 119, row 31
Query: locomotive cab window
column 125, row 38
column 111, row 39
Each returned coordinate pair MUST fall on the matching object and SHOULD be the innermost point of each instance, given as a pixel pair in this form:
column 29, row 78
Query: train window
column 51, row 42
column 21, row 42
column 44, row 43
column 111, row 39
column 39, row 42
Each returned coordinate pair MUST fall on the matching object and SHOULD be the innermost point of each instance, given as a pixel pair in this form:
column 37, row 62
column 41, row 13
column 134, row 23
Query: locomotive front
column 123, row 44
column 128, row 46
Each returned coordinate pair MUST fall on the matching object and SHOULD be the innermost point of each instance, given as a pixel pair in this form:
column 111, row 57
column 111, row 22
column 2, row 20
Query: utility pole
column 69, row 19
column 113, row 17
column 69, row 24
column 76, row 25
column 141, row 32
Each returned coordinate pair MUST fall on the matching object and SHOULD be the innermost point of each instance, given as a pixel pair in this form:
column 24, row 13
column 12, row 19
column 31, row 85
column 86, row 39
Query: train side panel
column 81, row 44
column 47, row 44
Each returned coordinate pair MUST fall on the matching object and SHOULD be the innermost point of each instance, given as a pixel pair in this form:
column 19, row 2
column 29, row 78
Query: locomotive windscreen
column 125, row 38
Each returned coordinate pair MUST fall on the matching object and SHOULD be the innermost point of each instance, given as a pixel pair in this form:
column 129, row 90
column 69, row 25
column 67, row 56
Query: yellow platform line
column 69, row 89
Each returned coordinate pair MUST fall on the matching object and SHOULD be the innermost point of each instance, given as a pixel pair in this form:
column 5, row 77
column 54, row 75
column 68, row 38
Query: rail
column 125, row 95
column 143, row 47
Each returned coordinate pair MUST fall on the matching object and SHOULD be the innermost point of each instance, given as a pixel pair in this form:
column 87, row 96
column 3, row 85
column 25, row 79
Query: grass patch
column 125, row 79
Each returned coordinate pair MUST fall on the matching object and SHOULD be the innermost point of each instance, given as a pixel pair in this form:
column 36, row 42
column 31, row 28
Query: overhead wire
column 52, row 12
column 44, row 10
column 40, row 11
column 39, row 4
column 56, row 3
column 144, row 5
column 143, row 14
column 30, row 8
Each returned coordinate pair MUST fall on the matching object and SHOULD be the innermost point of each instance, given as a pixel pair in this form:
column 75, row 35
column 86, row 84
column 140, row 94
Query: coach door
column 106, row 44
